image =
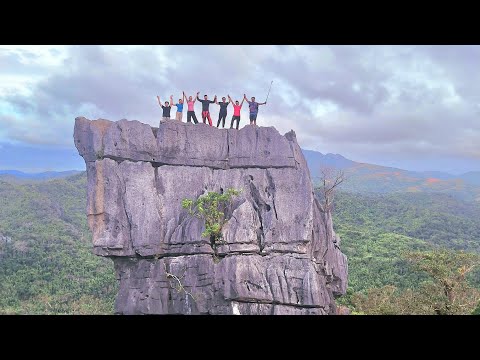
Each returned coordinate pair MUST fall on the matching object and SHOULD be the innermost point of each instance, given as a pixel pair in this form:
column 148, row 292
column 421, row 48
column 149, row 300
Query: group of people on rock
column 222, row 115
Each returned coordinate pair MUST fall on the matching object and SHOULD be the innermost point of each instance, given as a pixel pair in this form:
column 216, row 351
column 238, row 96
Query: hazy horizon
column 58, row 164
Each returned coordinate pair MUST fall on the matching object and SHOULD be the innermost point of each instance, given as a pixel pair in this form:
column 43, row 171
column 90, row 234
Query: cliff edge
column 280, row 254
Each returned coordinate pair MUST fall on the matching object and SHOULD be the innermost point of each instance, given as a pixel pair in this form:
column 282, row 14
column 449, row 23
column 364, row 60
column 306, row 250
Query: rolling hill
column 20, row 176
column 365, row 178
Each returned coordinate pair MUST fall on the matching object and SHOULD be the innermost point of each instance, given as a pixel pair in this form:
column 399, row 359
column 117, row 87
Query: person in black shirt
column 222, row 115
column 205, row 105
column 166, row 108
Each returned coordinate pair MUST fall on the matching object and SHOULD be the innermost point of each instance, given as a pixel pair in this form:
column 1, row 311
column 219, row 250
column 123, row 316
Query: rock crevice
column 279, row 254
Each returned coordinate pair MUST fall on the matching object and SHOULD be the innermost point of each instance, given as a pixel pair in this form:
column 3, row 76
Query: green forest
column 47, row 265
column 381, row 233
column 393, row 243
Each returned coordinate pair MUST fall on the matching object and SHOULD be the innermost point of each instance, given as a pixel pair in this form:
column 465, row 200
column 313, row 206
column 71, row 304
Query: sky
column 411, row 107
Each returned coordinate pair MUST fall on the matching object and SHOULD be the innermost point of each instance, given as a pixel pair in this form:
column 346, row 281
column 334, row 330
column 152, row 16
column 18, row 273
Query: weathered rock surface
column 279, row 254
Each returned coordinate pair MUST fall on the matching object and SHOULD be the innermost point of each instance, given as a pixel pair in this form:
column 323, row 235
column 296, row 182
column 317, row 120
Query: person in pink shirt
column 236, row 111
column 191, row 107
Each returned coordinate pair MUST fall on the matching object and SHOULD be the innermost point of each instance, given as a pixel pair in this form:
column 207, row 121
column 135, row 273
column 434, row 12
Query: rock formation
column 279, row 254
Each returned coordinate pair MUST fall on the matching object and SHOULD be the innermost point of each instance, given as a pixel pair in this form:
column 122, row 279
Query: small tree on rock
column 211, row 207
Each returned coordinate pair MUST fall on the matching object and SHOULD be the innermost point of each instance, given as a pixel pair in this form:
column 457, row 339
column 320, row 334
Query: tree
column 330, row 179
column 445, row 292
column 211, row 208
column 450, row 292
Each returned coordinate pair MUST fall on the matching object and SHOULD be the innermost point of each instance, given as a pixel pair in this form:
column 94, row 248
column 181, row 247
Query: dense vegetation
column 435, row 218
column 47, row 265
column 377, row 230
column 446, row 290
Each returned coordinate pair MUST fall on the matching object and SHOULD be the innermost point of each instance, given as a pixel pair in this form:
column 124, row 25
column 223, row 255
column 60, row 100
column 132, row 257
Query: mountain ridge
column 337, row 160
column 45, row 175
column 363, row 177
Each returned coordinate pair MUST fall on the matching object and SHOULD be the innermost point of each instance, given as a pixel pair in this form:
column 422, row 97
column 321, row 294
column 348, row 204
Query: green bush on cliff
column 211, row 208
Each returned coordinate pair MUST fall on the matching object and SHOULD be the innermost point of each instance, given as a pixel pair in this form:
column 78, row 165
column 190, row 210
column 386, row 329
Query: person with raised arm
column 253, row 107
column 191, row 108
column 166, row 108
column 222, row 115
column 236, row 111
column 205, row 107
column 179, row 105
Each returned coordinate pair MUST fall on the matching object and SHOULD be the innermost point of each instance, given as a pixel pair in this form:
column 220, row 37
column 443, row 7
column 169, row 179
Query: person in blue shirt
column 179, row 105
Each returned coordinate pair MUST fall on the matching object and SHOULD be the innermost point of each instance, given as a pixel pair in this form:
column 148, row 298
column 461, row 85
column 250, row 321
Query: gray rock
column 327, row 254
column 262, row 147
column 130, row 140
column 172, row 285
column 197, row 284
column 184, row 144
column 106, row 214
column 88, row 137
column 278, row 253
column 192, row 145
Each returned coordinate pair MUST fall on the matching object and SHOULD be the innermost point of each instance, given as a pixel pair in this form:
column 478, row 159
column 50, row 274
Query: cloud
column 383, row 102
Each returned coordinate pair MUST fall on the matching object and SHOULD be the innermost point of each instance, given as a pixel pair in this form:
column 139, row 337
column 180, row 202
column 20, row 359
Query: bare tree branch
column 180, row 287
column 330, row 179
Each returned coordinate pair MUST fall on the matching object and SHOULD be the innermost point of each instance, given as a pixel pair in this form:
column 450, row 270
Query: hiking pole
column 269, row 90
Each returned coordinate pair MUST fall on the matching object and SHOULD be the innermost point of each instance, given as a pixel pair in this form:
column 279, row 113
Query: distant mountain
column 15, row 175
column 472, row 177
column 363, row 177
column 316, row 160
column 436, row 174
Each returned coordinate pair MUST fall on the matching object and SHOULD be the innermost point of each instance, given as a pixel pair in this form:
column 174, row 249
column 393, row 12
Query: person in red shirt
column 236, row 111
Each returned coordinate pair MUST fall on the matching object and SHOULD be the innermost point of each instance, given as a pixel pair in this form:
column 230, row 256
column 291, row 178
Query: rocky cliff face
column 280, row 254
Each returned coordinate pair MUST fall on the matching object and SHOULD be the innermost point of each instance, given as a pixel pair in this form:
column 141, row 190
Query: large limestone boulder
column 279, row 253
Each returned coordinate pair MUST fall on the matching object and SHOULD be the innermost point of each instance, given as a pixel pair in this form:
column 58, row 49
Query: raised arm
column 229, row 99
column 242, row 102
column 171, row 100
column 184, row 97
column 197, row 98
column 262, row 103
column 159, row 102
column 245, row 98
column 215, row 99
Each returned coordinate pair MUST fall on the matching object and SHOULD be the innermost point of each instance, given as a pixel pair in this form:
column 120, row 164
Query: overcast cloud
column 414, row 107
